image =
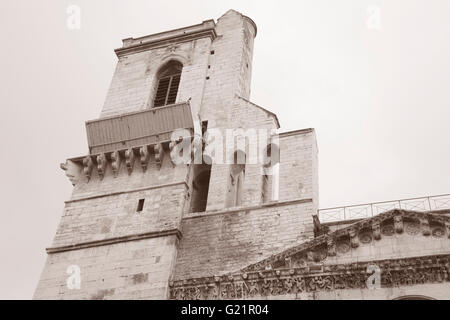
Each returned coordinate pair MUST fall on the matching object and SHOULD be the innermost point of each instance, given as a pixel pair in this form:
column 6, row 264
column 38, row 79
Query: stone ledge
column 247, row 208
column 128, row 191
column 134, row 237
column 134, row 45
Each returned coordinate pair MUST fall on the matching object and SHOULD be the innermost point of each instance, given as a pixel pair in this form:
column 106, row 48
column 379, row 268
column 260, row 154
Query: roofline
column 264, row 109
column 189, row 33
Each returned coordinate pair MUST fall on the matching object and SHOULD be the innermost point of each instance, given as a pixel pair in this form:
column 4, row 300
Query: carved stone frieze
column 245, row 285
column 364, row 232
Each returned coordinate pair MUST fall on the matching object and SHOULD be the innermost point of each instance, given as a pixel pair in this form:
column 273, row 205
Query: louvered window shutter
column 167, row 90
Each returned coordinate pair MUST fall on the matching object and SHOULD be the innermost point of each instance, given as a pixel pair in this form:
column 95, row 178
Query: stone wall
column 125, row 270
column 215, row 243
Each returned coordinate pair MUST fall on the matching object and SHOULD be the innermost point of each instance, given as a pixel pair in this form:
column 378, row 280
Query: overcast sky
column 378, row 95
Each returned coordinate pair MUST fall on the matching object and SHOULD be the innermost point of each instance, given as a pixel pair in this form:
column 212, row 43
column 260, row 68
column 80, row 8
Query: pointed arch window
column 168, row 83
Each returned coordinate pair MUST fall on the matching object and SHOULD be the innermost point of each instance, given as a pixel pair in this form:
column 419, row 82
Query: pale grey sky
column 378, row 99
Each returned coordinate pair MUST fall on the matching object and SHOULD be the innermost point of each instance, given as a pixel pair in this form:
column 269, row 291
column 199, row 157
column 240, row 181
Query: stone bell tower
column 120, row 233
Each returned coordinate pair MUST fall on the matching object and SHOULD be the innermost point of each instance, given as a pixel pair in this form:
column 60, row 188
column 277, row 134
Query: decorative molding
column 278, row 282
column 167, row 38
column 351, row 236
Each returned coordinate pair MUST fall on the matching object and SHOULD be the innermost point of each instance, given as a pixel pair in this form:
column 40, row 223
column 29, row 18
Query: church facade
column 190, row 191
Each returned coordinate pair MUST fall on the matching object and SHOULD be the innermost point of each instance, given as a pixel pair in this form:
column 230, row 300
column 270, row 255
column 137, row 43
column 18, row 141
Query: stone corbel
column 72, row 171
column 331, row 247
column 173, row 152
column 101, row 165
column 144, row 157
column 159, row 154
column 376, row 229
column 88, row 165
column 115, row 162
column 398, row 223
column 354, row 241
column 425, row 226
column 129, row 160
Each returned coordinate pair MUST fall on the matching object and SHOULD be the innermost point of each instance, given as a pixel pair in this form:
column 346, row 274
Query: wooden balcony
column 136, row 129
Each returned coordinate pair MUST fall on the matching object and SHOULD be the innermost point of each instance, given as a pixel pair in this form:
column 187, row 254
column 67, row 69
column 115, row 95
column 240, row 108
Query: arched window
column 271, row 176
column 236, row 180
column 200, row 187
column 168, row 82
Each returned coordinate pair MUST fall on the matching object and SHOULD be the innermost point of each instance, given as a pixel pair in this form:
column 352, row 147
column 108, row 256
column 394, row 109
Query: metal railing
column 368, row 210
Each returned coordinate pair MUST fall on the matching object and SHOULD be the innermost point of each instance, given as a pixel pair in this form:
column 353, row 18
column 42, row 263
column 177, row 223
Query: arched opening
column 168, row 82
column 236, row 179
column 200, row 187
column 270, row 186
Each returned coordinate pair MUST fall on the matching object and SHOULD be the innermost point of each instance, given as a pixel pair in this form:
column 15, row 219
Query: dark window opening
column 270, row 177
column 140, row 206
column 236, row 180
column 200, row 187
column 168, row 83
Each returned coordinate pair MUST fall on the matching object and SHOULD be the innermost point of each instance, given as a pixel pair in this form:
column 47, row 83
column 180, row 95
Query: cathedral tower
column 139, row 220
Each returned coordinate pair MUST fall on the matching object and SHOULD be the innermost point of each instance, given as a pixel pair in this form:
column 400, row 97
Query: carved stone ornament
column 343, row 240
column 101, row 165
column 144, row 157
column 425, row 226
column 72, row 170
column 376, row 229
column 247, row 285
column 159, row 154
column 398, row 223
column 88, row 165
column 129, row 160
column 115, row 162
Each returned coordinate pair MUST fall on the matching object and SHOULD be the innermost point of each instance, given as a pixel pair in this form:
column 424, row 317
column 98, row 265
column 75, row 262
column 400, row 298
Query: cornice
column 203, row 30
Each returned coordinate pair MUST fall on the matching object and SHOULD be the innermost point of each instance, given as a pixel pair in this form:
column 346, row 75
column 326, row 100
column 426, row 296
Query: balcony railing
column 136, row 129
column 368, row 210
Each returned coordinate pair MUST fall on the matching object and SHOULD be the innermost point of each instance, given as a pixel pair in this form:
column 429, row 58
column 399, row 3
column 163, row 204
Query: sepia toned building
column 142, row 225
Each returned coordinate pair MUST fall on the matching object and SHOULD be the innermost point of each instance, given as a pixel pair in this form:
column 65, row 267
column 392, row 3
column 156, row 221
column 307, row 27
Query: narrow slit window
column 140, row 206
column 168, row 83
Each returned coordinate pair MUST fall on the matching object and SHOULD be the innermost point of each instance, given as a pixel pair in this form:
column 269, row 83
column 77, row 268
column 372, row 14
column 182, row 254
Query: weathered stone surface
column 129, row 231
